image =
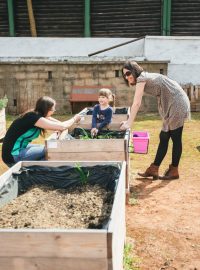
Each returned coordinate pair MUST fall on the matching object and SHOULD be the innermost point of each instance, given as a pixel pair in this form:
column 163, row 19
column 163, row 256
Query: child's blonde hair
column 105, row 92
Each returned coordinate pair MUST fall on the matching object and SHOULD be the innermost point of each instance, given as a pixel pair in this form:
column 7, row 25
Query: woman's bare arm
column 53, row 119
column 139, row 91
column 46, row 123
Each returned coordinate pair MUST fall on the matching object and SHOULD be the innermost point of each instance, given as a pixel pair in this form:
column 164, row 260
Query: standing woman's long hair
column 134, row 68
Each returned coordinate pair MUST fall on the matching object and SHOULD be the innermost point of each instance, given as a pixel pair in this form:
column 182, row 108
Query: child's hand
column 94, row 132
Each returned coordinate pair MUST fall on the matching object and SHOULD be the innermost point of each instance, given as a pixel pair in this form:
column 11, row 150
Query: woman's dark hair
column 134, row 68
column 44, row 105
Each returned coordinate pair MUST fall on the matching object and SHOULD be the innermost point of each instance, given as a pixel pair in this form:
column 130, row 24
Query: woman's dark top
column 21, row 132
column 101, row 118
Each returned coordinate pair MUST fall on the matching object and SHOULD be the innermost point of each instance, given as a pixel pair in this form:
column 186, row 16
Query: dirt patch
column 41, row 207
column 164, row 220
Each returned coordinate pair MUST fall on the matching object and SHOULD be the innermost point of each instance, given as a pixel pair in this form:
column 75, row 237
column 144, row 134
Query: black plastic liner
column 63, row 177
column 89, row 112
column 81, row 133
column 117, row 111
column 121, row 111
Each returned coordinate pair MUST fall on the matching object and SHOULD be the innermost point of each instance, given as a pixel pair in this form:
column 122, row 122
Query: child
column 102, row 113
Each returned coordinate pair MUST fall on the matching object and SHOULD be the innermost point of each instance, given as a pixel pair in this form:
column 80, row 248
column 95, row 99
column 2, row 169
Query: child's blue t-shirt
column 101, row 118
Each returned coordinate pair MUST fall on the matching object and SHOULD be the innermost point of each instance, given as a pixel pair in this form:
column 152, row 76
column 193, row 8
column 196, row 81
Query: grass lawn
column 150, row 122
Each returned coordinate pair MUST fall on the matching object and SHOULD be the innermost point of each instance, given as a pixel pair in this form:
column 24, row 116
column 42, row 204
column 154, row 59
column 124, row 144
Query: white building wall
column 183, row 53
column 67, row 47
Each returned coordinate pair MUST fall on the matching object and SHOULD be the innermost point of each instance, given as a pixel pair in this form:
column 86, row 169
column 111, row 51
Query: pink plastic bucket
column 140, row 142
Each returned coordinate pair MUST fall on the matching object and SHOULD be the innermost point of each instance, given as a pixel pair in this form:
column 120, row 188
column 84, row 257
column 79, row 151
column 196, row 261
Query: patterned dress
column 173, row 103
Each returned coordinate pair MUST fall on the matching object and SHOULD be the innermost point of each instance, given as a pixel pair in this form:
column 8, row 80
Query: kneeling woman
column 16, row 144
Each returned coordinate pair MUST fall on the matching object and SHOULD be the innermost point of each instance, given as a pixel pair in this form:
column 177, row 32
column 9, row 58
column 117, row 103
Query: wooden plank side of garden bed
column 116, row 119
column 57, row 163
column 92, row 145
column 53, row 243
column 20, row 263
column 117, row 227
column 8, row 173
column 95, row 156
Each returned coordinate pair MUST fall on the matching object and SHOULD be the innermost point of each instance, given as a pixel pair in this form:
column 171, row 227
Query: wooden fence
column 193, row 93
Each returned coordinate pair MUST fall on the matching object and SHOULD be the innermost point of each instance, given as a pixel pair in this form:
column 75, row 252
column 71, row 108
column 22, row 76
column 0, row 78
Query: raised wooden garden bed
column 107, row 149
column 59, row 248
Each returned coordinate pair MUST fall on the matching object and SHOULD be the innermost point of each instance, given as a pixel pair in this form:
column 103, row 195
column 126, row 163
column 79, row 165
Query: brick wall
column 24, row 83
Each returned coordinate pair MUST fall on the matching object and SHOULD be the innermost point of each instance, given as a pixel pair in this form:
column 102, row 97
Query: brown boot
column 152, row 171
column 170, row 174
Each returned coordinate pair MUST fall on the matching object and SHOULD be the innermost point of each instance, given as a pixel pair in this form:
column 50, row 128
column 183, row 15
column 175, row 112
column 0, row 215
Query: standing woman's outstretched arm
column 139, row 91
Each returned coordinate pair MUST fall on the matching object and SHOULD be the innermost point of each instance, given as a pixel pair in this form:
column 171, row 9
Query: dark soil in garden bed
column 80, row 133
column 43, row 207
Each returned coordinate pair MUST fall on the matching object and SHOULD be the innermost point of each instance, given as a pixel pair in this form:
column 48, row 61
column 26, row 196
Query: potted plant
column 3, row 104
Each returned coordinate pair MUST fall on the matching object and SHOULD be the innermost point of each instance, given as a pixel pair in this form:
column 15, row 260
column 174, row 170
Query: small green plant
column 85, row 136
column 83, row 176
column 131, row 148
column 108, row 135
column 3, row 102
column 130, row 262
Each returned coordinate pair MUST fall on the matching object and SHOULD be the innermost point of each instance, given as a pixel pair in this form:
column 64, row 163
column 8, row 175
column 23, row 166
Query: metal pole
column 168, row 18
column 87, row 31
column 11, row 18
column 164, row 17
column 116, row 46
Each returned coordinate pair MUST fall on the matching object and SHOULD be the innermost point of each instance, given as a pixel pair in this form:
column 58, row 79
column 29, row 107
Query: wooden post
column 31, row 18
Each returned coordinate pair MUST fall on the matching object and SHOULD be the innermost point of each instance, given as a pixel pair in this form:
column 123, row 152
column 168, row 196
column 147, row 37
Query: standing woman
column 16, row 144
column 173, row 107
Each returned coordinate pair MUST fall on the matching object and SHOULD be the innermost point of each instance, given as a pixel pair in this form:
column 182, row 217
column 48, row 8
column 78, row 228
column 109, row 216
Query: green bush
column 3, row 102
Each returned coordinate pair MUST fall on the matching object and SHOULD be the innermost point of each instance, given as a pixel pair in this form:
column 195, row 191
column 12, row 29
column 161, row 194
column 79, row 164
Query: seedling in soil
column 85, row 136
column 83, row 176
column 108, row 135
